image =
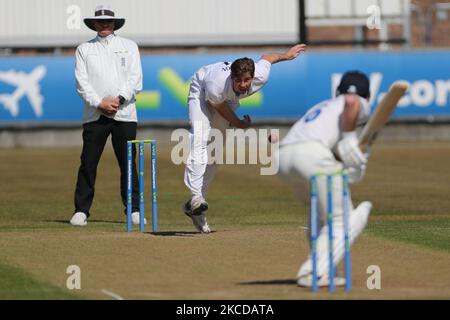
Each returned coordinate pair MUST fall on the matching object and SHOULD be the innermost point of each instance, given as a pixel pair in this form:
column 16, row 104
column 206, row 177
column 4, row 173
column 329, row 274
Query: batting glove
column 356, row 174
column 349, row 151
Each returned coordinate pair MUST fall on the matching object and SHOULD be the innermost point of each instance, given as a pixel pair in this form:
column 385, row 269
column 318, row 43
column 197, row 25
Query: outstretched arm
column 292, row 53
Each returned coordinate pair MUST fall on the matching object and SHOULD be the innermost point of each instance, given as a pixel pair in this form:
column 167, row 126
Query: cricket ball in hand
column 273, row 138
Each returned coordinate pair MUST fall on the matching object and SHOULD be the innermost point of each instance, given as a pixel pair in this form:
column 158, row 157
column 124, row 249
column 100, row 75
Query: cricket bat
column 381, row 114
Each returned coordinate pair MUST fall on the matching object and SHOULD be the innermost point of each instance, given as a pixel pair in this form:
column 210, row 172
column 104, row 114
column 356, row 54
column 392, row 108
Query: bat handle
column 363, row 146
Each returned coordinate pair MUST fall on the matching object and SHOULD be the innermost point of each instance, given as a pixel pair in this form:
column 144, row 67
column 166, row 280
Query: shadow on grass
column 89, row 221
column 269, row 282
column 176, row 233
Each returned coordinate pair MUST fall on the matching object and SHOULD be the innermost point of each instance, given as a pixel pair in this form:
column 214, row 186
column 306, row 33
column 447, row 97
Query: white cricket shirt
column 214, row 82
column 109, row 66
column 322, row 123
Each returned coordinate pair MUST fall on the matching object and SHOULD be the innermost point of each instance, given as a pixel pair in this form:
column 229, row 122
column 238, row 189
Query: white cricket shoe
column 324, row 281
column 197, row 215
column 200, row 223
column 79, row 219
column 135, row 218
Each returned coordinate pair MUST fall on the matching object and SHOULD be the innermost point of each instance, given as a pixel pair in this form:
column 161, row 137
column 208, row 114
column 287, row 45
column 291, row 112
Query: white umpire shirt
column 109, row 66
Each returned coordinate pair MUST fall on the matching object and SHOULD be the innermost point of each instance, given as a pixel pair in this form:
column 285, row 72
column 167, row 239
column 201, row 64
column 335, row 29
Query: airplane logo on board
column 27, row 84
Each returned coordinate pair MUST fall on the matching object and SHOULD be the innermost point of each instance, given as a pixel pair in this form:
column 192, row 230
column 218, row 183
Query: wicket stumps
column 141, row 144
column 314, row 230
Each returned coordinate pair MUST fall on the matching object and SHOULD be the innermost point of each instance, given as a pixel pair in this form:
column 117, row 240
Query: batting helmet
column 354, row 82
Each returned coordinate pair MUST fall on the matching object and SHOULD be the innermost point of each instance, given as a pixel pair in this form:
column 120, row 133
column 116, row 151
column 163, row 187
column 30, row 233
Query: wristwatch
column 122, row 100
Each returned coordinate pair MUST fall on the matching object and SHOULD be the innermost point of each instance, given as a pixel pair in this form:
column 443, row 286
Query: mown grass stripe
column 15, row 283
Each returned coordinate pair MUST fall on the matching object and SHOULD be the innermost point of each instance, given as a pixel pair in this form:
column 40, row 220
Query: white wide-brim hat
column 104, row 12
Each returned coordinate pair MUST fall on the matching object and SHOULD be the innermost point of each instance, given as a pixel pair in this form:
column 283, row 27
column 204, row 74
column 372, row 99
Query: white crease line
column 304, row 228
column 112, row 294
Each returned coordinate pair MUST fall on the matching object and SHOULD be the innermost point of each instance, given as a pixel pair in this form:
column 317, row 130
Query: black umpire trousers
column 95, row 135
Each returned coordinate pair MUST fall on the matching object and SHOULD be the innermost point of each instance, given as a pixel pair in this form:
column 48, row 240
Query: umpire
column 108, row 72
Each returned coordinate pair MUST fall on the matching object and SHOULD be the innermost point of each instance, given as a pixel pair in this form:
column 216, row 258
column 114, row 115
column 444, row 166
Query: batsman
column 324, row 141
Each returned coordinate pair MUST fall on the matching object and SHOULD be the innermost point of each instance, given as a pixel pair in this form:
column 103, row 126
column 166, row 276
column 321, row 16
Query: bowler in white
column 214, row 96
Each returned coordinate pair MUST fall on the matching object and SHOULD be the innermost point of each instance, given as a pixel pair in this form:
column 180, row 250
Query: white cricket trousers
column 297, row 163
column 200, row 171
